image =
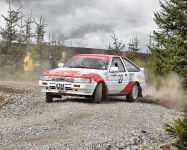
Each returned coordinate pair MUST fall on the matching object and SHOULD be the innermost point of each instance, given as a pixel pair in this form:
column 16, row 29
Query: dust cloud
column 167, row 91
column 18, row 77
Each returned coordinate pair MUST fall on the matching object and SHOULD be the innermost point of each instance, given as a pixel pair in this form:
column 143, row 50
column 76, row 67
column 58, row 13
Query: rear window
column 130, row 66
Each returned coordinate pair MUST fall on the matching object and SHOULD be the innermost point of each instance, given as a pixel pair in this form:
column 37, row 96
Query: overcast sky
column 89, row 23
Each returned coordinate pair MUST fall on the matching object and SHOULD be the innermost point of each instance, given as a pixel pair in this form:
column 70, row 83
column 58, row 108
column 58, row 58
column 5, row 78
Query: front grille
column 59, row 79
column 52, row 87
column 62, row 79
column 68, row 88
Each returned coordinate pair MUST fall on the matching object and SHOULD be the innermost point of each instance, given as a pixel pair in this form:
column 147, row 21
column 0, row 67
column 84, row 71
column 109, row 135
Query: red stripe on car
column 128, row 88
column 61, row 73
column 99, row 56
column 77, row 74
column 97, row 78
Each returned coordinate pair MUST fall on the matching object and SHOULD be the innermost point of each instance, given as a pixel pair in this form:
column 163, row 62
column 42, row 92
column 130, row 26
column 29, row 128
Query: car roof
column 99, row 55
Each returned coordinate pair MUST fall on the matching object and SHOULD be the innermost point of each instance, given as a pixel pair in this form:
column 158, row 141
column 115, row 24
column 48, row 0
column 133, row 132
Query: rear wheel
column 133, row 95
column 49, row 98
column 98, row 94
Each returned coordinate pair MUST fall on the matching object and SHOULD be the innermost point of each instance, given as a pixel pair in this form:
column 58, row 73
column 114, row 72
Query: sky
column 90, row 23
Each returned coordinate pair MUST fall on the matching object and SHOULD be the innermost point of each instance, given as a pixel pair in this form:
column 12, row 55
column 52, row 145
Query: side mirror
column 114, row 69
column 60, row 65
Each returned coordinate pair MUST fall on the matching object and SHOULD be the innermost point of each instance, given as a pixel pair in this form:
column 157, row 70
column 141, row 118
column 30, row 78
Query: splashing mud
column 168, row 92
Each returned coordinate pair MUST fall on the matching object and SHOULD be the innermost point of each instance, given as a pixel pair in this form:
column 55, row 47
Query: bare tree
column 60, row 40
column 49, row 38
column 53, row 39
column 56, row 39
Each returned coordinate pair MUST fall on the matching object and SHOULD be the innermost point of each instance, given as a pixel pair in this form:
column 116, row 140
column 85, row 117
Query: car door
column 116, row 79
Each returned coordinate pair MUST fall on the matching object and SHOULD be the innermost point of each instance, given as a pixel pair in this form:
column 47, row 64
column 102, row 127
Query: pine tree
column 117, row 46
column 40, row 30
column 9, row 33
column 151, row 43
column 28, row 33
column 178, row 131
column 133, row 48
column 170, row 48
column 21, row 33
column 39, row 34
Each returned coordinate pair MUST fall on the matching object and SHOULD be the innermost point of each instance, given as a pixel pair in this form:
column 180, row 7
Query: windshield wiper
column 78, row 67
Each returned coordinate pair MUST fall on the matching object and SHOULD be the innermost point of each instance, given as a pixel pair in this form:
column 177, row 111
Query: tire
column 98, row 94
column 49, row 98
column 133, row 95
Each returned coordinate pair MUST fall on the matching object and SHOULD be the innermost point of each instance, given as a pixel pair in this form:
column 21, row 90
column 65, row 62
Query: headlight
column 82, row 80
column 46, row 78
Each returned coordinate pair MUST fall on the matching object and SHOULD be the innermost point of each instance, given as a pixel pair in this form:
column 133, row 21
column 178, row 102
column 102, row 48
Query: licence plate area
column 68, row 88
column 59, row 86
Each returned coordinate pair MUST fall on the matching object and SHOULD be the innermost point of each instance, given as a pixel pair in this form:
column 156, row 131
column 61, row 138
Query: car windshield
column 90, row 63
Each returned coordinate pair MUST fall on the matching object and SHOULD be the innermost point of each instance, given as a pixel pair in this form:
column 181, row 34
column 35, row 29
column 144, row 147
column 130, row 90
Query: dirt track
column 27, row 122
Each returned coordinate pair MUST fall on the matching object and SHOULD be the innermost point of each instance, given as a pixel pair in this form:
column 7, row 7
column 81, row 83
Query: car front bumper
column 63, row 88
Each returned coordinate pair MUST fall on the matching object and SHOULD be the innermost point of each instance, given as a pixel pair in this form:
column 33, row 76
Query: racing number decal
column 120, row 78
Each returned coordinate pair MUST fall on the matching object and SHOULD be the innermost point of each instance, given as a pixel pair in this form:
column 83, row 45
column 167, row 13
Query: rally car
column 96, row 76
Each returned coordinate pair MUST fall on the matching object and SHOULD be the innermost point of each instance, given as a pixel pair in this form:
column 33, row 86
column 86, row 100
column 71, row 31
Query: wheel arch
column 139, row 89
column 105, row 88
column 130, row 85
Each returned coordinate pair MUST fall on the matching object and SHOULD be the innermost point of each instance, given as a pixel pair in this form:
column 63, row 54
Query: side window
column 116, row 62
column 130, row 66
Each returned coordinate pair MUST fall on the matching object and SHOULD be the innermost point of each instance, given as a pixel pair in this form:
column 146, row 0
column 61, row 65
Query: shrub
column 178, row 131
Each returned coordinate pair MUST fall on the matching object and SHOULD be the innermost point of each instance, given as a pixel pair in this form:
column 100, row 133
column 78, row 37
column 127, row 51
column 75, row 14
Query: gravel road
column 28, row 122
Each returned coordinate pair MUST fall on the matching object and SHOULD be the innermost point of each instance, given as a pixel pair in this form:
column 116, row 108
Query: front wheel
column 133, row 95
column 98, row 94
column 49, row 98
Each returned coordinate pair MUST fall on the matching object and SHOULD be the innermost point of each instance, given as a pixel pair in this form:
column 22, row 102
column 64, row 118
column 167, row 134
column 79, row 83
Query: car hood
column 73, row 72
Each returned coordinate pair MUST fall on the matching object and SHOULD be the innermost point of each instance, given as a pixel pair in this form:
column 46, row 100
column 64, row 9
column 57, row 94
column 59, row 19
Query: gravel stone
column 28, row 122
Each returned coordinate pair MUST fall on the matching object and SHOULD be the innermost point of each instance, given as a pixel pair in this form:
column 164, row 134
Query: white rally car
column 95, row 75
